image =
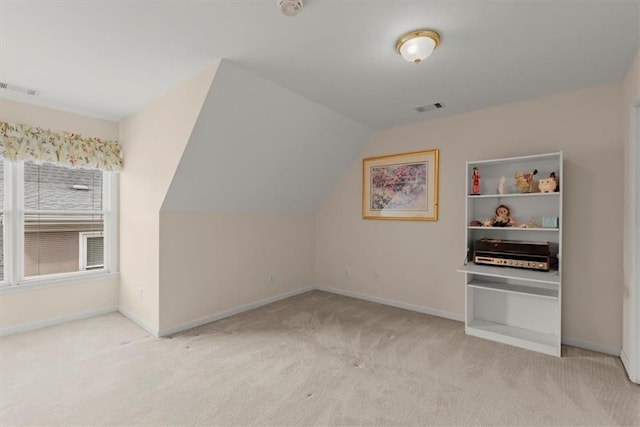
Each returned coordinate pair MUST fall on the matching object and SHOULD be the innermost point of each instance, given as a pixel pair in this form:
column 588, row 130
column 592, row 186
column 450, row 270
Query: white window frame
column 13, row 227
column 83, row 252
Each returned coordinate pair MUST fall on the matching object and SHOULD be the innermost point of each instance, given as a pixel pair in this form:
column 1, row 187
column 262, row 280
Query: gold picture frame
column 401, row 186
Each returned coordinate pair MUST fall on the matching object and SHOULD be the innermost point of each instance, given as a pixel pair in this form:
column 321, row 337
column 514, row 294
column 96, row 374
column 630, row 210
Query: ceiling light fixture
column 417, row 45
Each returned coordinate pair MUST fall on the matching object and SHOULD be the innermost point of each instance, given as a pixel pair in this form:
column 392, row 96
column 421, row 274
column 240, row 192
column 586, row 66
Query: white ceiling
column 108, row 59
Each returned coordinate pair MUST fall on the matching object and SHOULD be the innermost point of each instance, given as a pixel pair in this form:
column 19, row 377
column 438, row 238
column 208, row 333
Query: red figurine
column 475, row 188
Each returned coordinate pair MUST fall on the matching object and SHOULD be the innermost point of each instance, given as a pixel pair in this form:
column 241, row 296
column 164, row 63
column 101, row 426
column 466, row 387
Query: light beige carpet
column 314, row 359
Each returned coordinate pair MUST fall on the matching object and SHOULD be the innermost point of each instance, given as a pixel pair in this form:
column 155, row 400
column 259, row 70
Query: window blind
column 60, row 204
column 95, row 252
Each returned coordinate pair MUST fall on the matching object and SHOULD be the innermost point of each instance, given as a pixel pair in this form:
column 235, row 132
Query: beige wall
column 214, row 262
column 53, row 302
column 62, row 300
column 631, row 94
column 415, row 262
column 241, row 202
column 16, row 112
column 153, row 140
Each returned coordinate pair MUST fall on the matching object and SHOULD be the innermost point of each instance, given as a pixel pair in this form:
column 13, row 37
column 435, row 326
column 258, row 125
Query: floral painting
column 401, row 186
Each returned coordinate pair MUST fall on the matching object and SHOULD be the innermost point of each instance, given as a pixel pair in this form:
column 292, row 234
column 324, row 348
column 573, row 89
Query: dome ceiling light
column 417, row 45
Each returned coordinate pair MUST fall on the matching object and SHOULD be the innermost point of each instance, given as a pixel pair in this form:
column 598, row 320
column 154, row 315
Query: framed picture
column 401, row 186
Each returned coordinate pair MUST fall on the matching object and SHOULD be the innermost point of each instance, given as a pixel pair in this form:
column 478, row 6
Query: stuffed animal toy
column 548, row 185
column 524, row 181
column 502, row 218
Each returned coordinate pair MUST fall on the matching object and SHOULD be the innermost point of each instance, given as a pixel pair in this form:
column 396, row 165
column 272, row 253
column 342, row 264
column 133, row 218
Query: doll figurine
column 502, row 218
column 475, row 182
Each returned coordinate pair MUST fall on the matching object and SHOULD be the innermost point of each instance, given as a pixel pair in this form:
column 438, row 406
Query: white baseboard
column 138, row 321
column 393, row 303
column 600, row 348
column 24, row 327
column 213, row 317
column 625, row 362
column 627, row 365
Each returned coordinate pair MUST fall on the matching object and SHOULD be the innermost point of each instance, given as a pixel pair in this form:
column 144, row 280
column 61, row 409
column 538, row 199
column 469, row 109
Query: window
column 91, row 251
column 57, row 222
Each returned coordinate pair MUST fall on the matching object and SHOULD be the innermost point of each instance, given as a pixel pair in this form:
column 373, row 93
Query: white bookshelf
column 515, row 306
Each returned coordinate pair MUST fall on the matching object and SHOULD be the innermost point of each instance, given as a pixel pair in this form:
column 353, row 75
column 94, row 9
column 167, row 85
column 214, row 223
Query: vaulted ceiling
column 259, row 147
column 109, row 59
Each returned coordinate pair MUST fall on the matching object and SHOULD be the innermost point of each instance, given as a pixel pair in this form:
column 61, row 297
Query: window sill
column 57, row 280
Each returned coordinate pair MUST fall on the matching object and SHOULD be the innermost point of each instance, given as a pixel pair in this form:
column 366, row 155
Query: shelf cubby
column 514, row 288
column 551, row 277
column 529, row 229
column 509, row 195
column 520, row 337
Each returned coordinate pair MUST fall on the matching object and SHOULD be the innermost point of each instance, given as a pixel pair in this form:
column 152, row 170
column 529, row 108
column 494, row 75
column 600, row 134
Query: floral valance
column 24, row 142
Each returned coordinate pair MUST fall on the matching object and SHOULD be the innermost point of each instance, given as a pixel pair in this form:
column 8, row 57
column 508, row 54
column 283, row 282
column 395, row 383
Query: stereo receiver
column 512, row 253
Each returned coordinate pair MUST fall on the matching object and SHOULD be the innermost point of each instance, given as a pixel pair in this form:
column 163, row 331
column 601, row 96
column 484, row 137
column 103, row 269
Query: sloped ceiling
column 257, row 146
column 110, row 58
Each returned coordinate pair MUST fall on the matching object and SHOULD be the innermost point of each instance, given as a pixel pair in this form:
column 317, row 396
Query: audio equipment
column 512, row 253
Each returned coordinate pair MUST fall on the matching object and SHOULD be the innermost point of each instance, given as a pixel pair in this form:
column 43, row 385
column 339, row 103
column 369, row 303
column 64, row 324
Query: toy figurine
column 524, row 181
column 501, row 185
column 475, row 186
column 548, row 185
column 502, row 218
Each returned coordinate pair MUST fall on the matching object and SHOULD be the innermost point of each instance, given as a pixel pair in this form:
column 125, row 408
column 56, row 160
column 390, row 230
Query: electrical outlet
column 347, row 272
column 140, row 293
column 271, row 278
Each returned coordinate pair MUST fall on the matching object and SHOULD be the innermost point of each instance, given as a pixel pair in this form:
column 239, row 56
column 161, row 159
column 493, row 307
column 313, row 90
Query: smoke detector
column 290, row 7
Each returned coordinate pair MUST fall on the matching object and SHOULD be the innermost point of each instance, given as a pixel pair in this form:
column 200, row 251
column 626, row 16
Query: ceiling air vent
column 16, row 88
column 430, row 107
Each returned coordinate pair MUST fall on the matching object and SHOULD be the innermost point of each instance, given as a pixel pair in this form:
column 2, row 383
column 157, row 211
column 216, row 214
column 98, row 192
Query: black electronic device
column 512, row 253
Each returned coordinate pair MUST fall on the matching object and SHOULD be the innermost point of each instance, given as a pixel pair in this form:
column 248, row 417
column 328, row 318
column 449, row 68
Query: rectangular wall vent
column 430, row 107
column 16, row 88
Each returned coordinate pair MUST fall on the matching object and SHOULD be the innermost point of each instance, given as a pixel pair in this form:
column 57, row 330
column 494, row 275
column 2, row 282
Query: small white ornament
column 501, row 185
